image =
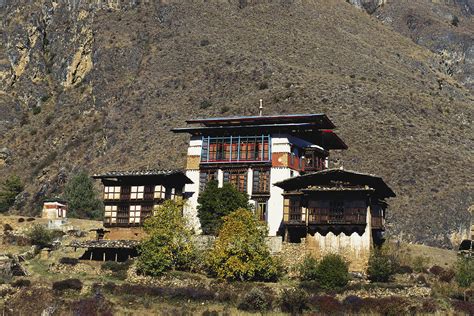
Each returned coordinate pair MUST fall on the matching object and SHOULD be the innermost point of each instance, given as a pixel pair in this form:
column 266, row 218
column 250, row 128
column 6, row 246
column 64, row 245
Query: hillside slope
column 99, row 88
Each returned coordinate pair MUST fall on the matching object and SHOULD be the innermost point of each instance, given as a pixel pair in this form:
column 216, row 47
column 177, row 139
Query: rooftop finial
column 261, row 107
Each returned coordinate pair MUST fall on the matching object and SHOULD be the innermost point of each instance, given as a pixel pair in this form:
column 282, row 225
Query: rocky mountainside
column 98, row 86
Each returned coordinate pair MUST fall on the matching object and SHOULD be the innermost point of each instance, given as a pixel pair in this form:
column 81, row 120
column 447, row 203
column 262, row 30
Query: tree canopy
column 215, row 203
column 240, row 251
column 9, row 189
column 168, row 245
column 82, row 198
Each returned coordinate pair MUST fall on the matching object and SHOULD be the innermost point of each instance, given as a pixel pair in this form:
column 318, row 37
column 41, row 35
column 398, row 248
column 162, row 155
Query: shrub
column 240, row 251
column 436, row 270
column 419, row 264
column 332, row 272
column 429, row 306
column 225, row 109
column 21, row 283
column 464, row 307
column 447, row 276
column 118, row 269
column 455, row 20
column 310, row 286
column 96, row 305
column 326, row 305
column 82, row 197
column 465, row 271
column 404, row 269
column 69, row 261
column 263, row 85
column 256, row 300
column 381, row 267
column 308, row 268
column 7, row 228
column 9, row 189
column 168, row 245
column 215, row 203
column 36, row 110
column 293, row 301
column 353, row 304
column 68, row 284
column 40, row 236
column 205, row 104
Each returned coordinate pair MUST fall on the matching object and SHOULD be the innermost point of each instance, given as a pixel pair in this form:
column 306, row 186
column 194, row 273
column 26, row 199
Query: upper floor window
column 112, row 193
column 236, row 148
column 238, row 178
column 137, row 192
column 261, row 181
column 110, row 215
column 159, row 192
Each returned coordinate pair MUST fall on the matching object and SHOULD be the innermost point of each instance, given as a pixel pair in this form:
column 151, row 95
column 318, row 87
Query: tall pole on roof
column 261, row 107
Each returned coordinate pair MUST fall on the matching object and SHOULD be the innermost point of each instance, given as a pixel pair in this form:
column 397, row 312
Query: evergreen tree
column 82, row 197
column 9, row 189
column 215, row 203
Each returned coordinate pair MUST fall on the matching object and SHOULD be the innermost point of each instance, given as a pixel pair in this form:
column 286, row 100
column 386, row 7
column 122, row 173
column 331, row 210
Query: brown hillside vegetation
column 100, row 89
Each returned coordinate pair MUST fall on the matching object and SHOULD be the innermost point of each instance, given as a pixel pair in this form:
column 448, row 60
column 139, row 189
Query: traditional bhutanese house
column 129, row 197
column 336, row 210
column 254, row 152
column 54, row 209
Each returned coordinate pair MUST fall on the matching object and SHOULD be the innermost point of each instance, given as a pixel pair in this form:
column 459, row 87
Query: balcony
column 324, row 216
column 235, row 149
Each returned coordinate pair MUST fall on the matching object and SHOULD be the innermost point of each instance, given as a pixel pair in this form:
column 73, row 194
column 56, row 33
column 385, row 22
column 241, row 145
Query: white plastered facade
column 279, row 144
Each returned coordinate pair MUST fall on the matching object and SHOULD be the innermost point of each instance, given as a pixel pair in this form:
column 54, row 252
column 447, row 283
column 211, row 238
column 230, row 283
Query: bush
column 404, row 269
column 21, row 283
column 308, row 268
column 215, row 203
column 7, row 228
column 240, row 251
column 463, row 307
column 419, row 264
column 455, row 20
column 168, row 245
column 256, row 300
column 9, row 189
column 381, row 266
column 68, row 284
column 119, row 269
column 293, row 301
column 447, row 276
column 205, row 104
column 428, row 306
column 326, row 305
column 96, row 305
column 436, row 270
column 69, row 261
column 40, row 236
column 353, row 303
column 332, row 272
column 465, row 271
column 82, row 197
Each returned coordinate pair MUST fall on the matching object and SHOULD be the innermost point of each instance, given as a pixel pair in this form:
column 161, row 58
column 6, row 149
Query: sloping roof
column 143, row 173
column 337, row 177
column 319, row 118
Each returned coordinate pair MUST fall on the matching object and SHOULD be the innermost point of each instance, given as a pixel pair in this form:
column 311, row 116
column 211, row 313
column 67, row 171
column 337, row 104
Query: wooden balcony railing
column 324, row 216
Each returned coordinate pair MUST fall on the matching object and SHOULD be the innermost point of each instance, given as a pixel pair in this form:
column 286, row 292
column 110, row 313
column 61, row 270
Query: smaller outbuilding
column 54, row 209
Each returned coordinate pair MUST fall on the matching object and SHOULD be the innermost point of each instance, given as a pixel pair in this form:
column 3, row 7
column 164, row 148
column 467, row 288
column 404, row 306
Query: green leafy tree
column 332, row 272
column 9, row 189
column 168, row 245
column 465, row 271
column 308, row 268
column 215, row 203
column 40, row 236
column 240, row 251
column 381, row 266
column 82, row 197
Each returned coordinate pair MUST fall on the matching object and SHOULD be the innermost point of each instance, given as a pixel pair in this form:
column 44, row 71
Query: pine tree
column 10, row 188
column 82, row 197
column 215, row 203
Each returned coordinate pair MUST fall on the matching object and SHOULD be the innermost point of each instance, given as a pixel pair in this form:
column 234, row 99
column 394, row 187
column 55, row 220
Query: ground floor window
column 110, row 215
column 135, row 214
column 261, row 211
column 205, row 177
